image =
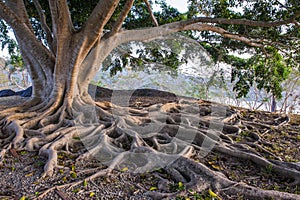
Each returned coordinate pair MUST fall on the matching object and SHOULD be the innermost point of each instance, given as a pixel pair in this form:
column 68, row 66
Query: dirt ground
column 20, row 175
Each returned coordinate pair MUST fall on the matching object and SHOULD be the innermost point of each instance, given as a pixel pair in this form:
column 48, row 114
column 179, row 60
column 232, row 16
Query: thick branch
column 25, row 35
column 18, row 7
column 61, row 18
column 196, row 24
column 100, row 16
column 93, row 27
column 44, row 25
column 117, row 26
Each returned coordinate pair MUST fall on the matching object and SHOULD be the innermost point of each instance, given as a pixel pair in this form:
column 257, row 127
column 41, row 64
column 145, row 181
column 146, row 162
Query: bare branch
column 154, row 21
column 117, row 26
column 44, row 25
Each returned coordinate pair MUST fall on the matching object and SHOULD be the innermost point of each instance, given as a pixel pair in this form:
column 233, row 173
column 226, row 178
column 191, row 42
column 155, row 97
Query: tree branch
column 61, row 19
column 107, row 44
column 154, row 21
column 99, row 17
column 117, row 26
column 18, row 7
column 24, row 34
column 44, row 25
column 196, row 24
column 246, row 21
column 224, row 33
column 93, row 27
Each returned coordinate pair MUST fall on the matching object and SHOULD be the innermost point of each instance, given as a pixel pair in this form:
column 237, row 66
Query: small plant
column 64, row 179
column 76, row 190
column 23, row 153
column 238, row 139
column 269, row 169
column 181, row 187
column 245, row 133
column 177, row 187
column 73, row 174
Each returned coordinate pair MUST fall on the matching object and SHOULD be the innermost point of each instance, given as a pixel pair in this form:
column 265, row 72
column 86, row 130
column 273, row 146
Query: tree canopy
column 232, row 34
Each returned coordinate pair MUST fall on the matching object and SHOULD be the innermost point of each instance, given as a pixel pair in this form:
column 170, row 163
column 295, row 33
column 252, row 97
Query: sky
column 180, row 5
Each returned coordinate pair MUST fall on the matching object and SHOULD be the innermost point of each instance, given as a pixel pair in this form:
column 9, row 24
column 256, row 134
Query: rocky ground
column 273, row 136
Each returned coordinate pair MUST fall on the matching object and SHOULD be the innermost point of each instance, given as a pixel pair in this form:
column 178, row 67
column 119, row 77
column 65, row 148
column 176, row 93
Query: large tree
column 62, row 45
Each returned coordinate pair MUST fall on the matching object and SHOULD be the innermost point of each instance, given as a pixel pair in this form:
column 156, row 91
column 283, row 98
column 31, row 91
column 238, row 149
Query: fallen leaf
column 92, row 194
column 124, row 169
column 153, row 188
column 213, row 195
column 28, row 175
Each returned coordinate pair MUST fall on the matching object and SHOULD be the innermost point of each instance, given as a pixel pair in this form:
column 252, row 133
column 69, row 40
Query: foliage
column 268, row 66
column 267, row 69
column 7, row 42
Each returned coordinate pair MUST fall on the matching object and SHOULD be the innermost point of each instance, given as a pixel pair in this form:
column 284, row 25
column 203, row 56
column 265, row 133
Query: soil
column 20, row 175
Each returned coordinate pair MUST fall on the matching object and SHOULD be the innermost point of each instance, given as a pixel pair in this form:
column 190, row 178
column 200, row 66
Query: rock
column 6, row 93
column 25, row 93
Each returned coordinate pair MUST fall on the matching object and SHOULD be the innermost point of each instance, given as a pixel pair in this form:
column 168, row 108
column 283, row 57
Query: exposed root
column 142, row 140
column 73, row 184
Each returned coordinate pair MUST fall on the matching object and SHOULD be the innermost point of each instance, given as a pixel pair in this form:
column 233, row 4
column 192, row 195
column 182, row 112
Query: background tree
column 63, row 43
